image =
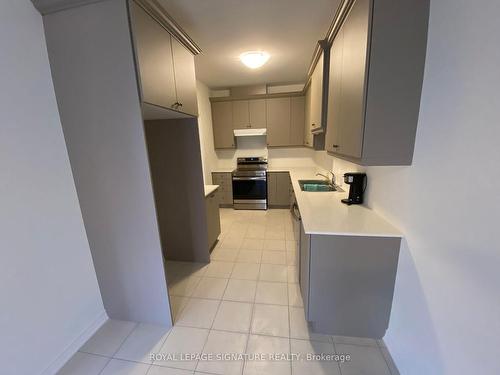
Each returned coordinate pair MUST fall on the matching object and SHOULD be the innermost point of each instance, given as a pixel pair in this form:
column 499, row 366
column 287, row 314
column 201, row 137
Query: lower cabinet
column 304, row 263
column 279, row 187
column 347, row 283
column 213, row 217
column 225, row 190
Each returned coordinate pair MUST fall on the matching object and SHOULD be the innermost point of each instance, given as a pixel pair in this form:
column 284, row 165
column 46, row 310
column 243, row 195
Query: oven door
column 250, row 192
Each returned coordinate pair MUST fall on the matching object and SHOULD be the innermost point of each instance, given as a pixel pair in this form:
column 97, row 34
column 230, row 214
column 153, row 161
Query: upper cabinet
column 257, row 113
column 222, row 123
column 308, row 136
column 241, row 116
column 278, row 122
column 315, row 95
column 297, row 119
column 283, row 116
column 154, row 51
column 249, row 114
column 375, row 80
column 166, row 67
column 316, row 98
column 185, row 78
column 335, row 91
column 285, row 121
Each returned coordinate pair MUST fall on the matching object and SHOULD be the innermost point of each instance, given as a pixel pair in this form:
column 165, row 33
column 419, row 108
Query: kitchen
column 259, row 143
column 227, row 185
column 252, row 269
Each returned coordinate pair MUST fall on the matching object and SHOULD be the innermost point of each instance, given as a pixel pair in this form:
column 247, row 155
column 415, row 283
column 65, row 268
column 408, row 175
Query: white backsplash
column 336, row 165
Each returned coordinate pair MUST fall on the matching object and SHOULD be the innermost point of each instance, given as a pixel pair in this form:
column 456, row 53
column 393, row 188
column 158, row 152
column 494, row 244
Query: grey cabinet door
column 213, row 218
column 227, row 184
column 278, row 121
column 354, row 73
column 304, row 267
column 317, row 94
column 222, row 123
column 154, row 55
column 185, row 79
column 278, row 189
column 334, row 94
column 271, row 188
column 283, row 189
column 257, row 113
column 297, row 119
column 308, row 137
column 241, row 114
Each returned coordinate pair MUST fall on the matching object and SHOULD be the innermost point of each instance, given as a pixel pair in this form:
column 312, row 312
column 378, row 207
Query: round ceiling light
column 254, row 59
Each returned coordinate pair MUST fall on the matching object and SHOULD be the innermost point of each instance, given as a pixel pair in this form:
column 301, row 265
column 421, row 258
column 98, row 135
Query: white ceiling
column 287, row 29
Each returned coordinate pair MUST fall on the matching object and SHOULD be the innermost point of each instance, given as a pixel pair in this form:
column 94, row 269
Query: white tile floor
column 246, row 300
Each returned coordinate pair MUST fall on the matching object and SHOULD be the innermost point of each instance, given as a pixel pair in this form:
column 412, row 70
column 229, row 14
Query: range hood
column 249, row 132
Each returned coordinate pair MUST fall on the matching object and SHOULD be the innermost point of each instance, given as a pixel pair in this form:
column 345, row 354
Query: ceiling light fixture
column 254, row 59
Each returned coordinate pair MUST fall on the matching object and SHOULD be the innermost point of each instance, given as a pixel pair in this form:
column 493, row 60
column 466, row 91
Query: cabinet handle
column 174, row 105
column 179, row 104
column 335, row 146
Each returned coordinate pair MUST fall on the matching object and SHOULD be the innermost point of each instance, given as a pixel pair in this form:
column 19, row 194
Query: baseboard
column 72, row 348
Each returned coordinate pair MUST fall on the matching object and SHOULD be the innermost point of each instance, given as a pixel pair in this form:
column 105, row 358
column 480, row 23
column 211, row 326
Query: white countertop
column 324, row 213
column 209, row 189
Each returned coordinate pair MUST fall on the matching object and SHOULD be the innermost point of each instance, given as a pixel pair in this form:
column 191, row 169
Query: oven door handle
column 249, row 178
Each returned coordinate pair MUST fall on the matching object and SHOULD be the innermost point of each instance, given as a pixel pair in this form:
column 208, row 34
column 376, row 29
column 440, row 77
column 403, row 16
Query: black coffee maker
column 357, row 182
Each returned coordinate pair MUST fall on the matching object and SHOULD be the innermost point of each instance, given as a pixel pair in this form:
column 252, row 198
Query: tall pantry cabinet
column 115, row 64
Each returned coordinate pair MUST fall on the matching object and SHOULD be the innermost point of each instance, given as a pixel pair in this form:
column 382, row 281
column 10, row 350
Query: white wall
column 48, row 288
column 208, row 155
column 446, row 309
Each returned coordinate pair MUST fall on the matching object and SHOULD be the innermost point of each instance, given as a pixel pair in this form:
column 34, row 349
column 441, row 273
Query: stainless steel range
column 250, row 184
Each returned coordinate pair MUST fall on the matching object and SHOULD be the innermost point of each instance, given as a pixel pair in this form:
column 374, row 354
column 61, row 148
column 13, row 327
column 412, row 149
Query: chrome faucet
column 332, row 180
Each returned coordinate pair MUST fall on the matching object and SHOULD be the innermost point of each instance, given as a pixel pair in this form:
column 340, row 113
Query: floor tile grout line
column 254, row 301
column 136, row 325
column 160, row 346
column 238, row 278
column 336, row 352
column 119, row 347
column 289, row 327
column 213, row 321
column 218, row 330
column 258, row 334
column 250, row 328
